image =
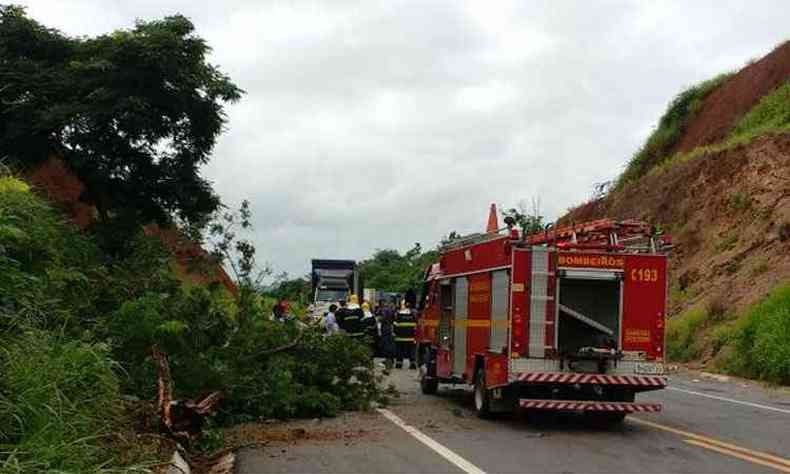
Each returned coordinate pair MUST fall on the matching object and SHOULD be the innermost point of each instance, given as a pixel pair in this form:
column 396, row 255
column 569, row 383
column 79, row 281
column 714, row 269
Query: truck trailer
column 570, row 319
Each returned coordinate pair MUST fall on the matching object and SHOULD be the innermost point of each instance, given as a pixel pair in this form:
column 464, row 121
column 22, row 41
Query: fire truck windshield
column 331, row 295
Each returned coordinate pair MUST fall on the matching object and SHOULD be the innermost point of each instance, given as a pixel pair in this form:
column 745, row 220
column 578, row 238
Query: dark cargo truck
column 333, row 281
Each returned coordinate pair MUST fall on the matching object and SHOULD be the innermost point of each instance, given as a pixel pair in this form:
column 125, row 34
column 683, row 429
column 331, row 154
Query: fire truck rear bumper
column 645, row 382
column 589, row 406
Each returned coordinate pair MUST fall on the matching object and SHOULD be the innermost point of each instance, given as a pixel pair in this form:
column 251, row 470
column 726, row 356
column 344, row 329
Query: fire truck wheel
column 482, row 395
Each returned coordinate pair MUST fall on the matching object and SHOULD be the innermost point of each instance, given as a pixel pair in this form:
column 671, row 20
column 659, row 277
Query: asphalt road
column 708, row 425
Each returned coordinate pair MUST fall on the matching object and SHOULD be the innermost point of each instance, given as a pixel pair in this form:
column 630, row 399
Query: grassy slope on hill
column 670, row 128
column 60, row 401
column 770, row 115
column 757, row 345
column 751, row 344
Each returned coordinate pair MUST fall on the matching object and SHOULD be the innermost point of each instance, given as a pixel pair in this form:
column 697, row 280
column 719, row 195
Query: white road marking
column 443, row 451
column 739, row 402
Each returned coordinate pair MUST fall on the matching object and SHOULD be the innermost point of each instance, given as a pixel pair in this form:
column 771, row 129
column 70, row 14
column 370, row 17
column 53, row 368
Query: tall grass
column 59, row 404
column 761, row 340
column 670, row 128
column 771, row 113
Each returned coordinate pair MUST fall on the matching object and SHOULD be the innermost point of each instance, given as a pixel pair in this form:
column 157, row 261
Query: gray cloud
column 379, row 124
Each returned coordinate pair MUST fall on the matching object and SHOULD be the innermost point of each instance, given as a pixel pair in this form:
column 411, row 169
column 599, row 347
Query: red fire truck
column 570, row 319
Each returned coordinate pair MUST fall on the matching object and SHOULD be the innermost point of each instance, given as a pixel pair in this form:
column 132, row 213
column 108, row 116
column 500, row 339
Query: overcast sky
column 379, row 124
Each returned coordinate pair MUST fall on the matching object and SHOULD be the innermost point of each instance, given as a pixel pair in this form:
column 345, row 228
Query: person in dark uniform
column 404, row 327
column 352, row 318
column 371, row 328
column 387, row 348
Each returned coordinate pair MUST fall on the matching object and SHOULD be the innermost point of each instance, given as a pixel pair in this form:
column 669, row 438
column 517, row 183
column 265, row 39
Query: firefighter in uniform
column 404, row 328
column 371, row 328
column 351, row 321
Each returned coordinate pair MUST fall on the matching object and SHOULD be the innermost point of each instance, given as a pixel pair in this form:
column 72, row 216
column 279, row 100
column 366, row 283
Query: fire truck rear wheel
column 482, row 395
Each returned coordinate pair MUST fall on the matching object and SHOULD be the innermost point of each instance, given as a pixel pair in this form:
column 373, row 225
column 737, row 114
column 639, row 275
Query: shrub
column 683, row 341
column 728, row 242
column 740, row 201
column 721, row 336
column 318, row 377
column 761, row 340
column 191, row 326
column 46, row 266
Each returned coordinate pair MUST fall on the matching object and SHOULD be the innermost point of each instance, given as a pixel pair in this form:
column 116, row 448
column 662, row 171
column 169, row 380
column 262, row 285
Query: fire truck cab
column 570, row 319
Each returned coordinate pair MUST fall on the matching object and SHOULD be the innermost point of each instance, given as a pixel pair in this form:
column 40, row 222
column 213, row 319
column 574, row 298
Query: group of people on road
column 389, row 331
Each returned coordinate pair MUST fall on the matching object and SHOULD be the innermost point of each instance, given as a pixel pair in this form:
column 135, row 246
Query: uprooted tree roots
column 181, row 419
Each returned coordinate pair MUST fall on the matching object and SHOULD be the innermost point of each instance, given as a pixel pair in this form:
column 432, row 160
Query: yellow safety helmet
column 353, row 299
column 365, row 305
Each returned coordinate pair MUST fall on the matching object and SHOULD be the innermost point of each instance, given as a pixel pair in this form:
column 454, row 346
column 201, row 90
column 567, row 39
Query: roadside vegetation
column 751, row 344
column 133, row 114
column 77, row 329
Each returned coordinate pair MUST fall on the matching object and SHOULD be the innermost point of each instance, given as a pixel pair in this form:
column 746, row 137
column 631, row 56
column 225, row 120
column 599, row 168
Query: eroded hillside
column 716, row 176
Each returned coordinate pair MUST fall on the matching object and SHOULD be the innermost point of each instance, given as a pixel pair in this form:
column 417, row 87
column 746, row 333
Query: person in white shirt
column 330, row 322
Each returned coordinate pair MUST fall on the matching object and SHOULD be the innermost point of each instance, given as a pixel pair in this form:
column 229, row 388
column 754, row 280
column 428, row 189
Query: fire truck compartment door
column 500, row 281
column 539, row 297
column 459, row 325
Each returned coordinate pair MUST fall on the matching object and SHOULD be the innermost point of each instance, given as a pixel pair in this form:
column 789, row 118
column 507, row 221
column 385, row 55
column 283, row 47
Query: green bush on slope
column 770, row 114
column 760, row 341
column 683, row 331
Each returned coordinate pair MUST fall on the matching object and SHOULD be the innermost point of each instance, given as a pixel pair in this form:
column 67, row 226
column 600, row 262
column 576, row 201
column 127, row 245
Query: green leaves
column 761, row 340
column 388, row 270
column 133, row 112
column 59, row 402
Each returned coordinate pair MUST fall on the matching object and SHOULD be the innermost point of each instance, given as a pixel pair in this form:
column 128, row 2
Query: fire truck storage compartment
column 589, row 310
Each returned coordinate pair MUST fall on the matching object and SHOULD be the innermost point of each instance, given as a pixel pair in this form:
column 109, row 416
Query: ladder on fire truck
column 603, row 235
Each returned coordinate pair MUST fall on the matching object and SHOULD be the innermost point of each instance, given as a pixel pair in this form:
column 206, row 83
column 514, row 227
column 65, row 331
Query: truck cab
column 332, row 281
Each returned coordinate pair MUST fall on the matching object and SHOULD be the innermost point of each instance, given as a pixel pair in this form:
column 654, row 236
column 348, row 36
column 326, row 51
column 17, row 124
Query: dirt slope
column 729, row 215
column 728, row 212
column 724, row 106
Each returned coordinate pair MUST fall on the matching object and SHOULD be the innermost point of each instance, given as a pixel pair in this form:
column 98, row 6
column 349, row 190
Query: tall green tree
column 389, row 270
column 134, row 113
